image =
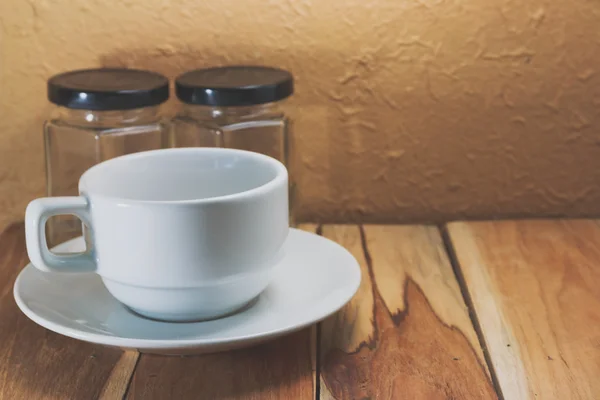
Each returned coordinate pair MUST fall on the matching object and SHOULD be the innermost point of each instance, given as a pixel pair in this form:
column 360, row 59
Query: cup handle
column 37, row 214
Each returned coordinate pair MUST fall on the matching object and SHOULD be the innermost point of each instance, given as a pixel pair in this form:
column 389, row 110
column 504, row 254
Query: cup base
column 189, row 304
column 192, row 317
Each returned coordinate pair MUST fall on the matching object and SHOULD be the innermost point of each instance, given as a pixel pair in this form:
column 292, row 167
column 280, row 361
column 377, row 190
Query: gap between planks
column 451, row 251
column 315, row 330
column 119, row 380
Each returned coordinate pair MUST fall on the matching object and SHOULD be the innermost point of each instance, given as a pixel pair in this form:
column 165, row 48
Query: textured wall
column 405, row 110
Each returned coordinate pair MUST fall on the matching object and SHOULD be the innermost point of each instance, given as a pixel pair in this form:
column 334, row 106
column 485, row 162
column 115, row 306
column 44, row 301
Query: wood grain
column 279, row 369
column 407, row 332
column 36, row 363
column 535, row 286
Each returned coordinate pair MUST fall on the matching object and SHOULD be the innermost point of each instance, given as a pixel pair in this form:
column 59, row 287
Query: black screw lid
column 234, row 86
column 107, row 89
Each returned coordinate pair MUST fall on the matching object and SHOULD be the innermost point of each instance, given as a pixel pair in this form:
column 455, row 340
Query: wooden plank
column 279, row 369
column 38, row 364
column 407, row 332
column 535, row 286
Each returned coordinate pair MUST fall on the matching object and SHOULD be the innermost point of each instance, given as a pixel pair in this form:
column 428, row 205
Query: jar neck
column 230, row 113
column 107, row 119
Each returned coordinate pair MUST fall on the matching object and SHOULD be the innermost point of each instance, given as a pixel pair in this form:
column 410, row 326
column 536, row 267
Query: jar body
column 75, row 140
column 262, row 129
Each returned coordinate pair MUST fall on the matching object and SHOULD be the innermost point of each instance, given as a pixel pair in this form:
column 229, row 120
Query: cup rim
column 279, row 179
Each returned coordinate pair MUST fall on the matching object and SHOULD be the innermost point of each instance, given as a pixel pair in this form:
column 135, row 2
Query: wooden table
column 478, row 310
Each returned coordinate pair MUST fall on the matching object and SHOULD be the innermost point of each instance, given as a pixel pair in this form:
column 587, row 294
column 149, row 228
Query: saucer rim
column 165, row 344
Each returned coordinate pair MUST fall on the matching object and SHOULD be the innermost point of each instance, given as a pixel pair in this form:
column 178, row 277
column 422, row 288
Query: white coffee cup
column 175, row 234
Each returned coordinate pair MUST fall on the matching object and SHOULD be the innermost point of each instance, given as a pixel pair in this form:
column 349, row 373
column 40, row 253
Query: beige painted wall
column 405, row 109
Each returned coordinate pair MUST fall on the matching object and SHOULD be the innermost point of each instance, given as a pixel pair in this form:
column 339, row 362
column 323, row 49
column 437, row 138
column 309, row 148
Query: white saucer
column 316, row 278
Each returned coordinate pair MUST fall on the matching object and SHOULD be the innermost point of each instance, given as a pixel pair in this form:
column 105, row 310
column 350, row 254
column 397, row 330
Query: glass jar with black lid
column 237, row 107
column 102, row 113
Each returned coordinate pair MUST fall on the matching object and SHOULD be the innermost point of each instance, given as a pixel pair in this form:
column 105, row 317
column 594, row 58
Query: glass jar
column 101, row 114
column 237, row 107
